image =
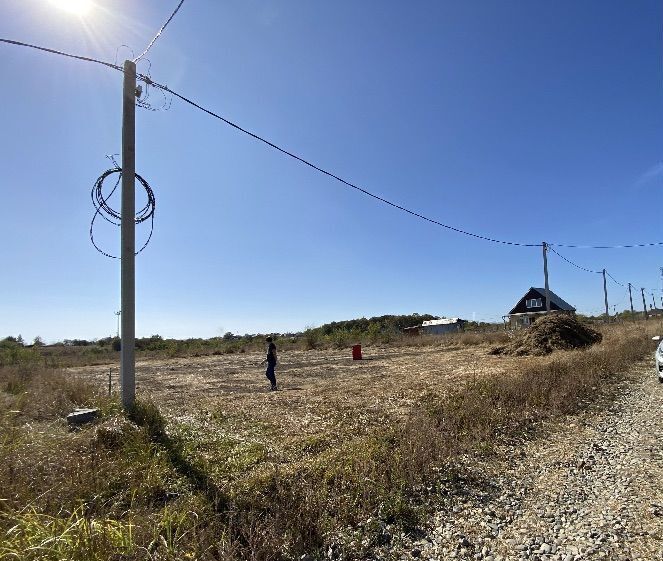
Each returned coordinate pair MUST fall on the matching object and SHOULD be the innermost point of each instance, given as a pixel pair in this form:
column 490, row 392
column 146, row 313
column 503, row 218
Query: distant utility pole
column 654, row 301
column 118, row 314
column 630, row 297
column 128, row 238
column 644, row 304
column 605, row 296
column 545, row 275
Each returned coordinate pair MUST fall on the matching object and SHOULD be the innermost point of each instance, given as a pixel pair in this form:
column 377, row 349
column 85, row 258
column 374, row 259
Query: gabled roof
column 554, row 299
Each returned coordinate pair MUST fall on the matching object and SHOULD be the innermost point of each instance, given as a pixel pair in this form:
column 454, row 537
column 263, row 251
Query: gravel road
column 590, row 488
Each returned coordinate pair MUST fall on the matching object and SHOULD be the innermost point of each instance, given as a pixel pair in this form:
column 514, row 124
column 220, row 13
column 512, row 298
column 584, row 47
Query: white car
column 658, row 356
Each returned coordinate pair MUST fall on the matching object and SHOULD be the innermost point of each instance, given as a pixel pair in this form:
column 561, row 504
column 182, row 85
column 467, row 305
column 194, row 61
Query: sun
column 78, row 7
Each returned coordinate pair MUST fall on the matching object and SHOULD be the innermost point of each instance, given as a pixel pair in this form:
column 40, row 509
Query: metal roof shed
column 441, row 326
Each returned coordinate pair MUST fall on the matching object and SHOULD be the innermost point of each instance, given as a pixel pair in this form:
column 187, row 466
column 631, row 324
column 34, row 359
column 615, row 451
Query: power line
column 589, row 270
column 623, row 246
column 614, row 279
column 623, row 298
column 142, row 98
column 147, row 80
column 572, row 263
column 62, row 53
column 332, row 175
column 150, row 82
column 159, row 32
column 381, row 199
column 607, row 274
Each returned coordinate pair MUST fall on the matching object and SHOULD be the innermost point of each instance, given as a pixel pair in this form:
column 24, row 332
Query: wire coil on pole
column 109, row 214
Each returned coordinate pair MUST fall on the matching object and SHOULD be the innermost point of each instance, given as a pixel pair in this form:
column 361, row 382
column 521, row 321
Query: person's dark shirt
column 271, row 358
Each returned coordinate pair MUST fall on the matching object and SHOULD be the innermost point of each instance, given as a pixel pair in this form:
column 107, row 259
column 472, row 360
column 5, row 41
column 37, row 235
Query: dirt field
column 324, row 396
column 314, row 460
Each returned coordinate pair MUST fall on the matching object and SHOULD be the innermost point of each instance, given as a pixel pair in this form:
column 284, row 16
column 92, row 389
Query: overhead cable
column 614, row 279
column 571, row 262
column 623, row 298
column 623, row 246
column 159, row 32
column 368, row 193
column 62, row 53
column 334, row 176
column 147, row 80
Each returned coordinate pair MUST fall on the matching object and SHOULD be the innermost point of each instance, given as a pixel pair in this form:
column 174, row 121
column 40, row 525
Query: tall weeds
column 78, row 537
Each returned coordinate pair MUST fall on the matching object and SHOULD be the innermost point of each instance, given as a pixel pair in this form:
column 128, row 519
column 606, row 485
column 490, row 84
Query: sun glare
column 79, row 7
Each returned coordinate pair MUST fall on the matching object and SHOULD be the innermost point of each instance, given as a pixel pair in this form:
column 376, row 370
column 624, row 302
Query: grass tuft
column 35, row 536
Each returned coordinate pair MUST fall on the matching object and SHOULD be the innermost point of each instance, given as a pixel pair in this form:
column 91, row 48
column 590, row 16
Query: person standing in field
column 271, row 363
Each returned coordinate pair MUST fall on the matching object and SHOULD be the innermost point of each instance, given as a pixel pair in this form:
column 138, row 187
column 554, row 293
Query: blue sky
column 526, row 121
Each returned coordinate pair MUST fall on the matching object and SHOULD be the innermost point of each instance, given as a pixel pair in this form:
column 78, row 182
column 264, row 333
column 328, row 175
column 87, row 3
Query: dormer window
column 534, row 303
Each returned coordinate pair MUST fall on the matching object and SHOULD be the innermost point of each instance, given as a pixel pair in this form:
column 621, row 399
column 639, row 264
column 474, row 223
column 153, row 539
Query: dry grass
column 223, row 469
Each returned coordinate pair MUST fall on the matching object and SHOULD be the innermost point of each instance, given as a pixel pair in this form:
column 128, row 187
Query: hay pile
column 550, row 333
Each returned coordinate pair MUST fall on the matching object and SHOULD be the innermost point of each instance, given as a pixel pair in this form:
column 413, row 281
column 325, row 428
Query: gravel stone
column 588, row 488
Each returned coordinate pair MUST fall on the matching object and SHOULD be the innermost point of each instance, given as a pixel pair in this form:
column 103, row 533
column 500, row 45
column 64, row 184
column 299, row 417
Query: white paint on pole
column 128, row 237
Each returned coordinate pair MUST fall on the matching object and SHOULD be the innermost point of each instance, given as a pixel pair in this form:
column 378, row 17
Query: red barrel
column 356, row 352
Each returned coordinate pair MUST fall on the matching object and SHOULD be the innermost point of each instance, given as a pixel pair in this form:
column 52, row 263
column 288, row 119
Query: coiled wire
column 109, row 214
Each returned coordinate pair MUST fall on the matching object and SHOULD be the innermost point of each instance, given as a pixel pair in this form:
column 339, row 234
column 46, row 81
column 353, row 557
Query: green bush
column 312, row 338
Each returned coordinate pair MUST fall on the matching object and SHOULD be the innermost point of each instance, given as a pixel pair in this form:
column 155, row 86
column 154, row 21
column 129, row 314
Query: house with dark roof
column 533, row 305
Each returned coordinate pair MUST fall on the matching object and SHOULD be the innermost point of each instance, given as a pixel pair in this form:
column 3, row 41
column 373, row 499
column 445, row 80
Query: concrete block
column 82, row 416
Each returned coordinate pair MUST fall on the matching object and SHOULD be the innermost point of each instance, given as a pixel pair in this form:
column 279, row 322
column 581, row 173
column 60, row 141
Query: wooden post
column 605, row 296
column 630, row 297
column 545, row 275
column 644, row 304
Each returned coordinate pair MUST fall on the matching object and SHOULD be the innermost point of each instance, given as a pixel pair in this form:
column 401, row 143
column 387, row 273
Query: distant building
column 437, row 327
column 532, row 305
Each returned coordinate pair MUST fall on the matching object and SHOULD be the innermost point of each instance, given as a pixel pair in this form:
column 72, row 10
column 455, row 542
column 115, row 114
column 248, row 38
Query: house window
column 534, row 303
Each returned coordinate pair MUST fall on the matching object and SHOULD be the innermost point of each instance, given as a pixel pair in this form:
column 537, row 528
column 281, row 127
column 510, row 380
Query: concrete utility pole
column 118, row 314
column 605, row 296
column 128, row 237
column 644, row 304
column 654, row 301
column 630, row 297
column 545, row 275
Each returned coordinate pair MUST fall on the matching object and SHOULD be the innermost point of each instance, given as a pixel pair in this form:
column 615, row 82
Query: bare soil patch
column 324, row 395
